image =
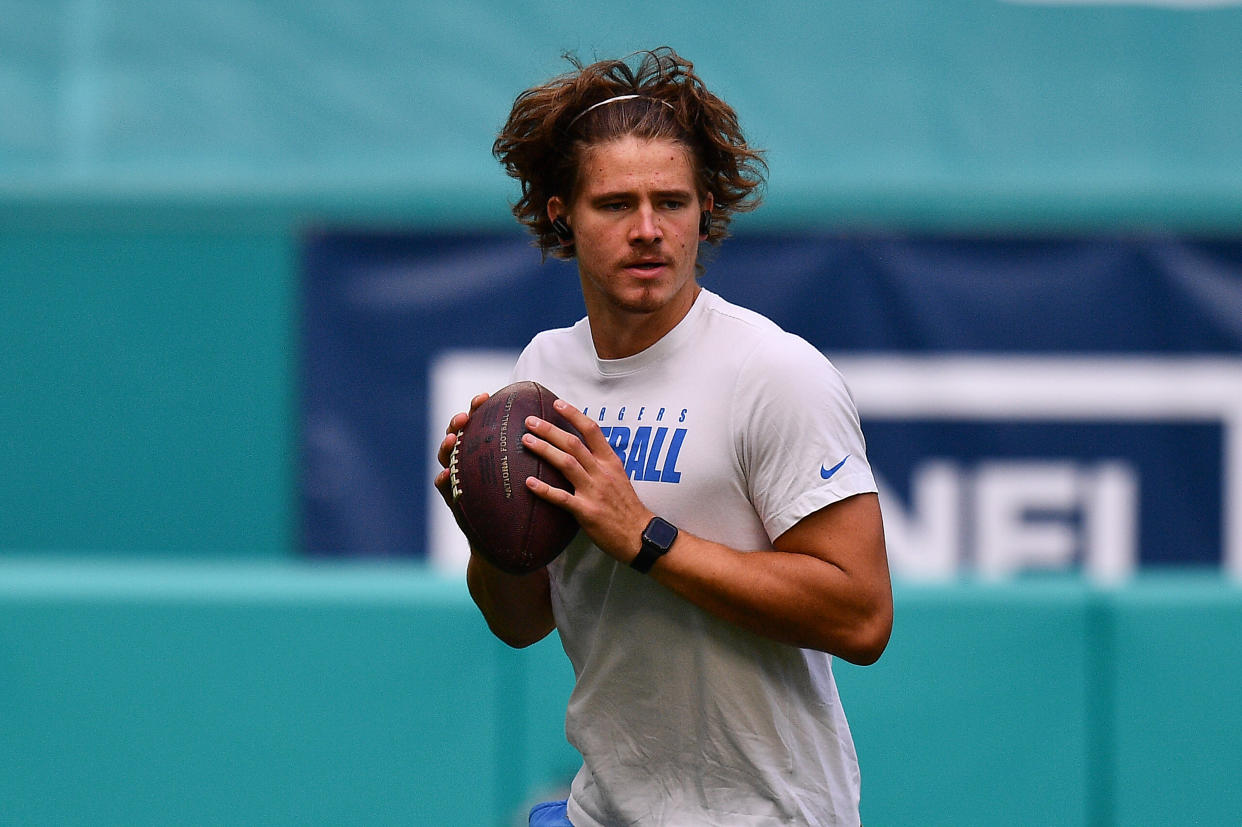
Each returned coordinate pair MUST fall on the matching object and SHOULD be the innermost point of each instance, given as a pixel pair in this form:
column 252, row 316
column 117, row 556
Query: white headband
column 615, row 100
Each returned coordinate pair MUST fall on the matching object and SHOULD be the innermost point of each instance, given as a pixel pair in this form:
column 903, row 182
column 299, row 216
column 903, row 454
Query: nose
column 645, row 228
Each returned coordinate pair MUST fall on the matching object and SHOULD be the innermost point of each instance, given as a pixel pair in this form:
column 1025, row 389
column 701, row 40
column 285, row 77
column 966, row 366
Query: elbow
column 866, row 652
column 519, row 632
column 518, row 639
column 868, row 639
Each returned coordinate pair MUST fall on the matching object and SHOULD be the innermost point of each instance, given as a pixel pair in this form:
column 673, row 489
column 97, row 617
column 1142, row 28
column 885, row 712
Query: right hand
column 518, row 608
column 456, row 423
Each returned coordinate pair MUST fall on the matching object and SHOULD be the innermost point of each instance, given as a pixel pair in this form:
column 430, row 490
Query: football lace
column 454, row 479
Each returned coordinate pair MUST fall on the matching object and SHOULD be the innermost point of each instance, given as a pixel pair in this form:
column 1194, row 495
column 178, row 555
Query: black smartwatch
column 658, row 538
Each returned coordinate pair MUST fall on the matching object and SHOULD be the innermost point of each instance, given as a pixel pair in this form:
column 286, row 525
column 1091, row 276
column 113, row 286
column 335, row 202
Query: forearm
column 517, row 608
column 786, row 596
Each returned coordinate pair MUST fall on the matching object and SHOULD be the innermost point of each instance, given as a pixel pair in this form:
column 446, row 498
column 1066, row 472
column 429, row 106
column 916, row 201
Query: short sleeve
column 800, row 442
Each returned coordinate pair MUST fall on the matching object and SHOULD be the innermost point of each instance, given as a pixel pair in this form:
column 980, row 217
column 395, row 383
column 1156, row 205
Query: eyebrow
column 623, row 194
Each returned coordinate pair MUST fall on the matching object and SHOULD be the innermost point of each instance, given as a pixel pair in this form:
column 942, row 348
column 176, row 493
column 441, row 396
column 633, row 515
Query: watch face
column 661, row 533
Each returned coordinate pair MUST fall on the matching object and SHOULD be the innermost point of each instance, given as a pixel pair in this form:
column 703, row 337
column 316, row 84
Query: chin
column 646, row 299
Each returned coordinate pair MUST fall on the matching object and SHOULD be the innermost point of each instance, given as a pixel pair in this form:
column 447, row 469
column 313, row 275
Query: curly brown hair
column 551, row 125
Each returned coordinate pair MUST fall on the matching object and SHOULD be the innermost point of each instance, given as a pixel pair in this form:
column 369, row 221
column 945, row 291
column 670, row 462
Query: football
column 508, row 525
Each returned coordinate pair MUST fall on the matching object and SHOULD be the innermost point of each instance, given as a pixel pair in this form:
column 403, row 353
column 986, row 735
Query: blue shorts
column 550, row 814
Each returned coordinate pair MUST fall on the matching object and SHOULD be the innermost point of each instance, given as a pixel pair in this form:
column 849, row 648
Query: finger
column 592, row 436
column 556, row 496
column 558, row 437
column 445, row 451
column 442, row 483
column 562, row 459
column 457, row 422
column 455, row 425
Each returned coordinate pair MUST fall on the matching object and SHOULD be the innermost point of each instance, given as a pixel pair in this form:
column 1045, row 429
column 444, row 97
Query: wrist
column 656, row 540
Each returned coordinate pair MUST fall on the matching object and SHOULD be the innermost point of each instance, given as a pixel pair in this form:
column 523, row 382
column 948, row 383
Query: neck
column 619, row 332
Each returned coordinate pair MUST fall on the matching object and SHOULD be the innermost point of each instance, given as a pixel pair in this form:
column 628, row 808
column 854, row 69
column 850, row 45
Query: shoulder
column 724, row 317
column 554, row 357
column 555, row 342
column 766, row 352
column 558, row 336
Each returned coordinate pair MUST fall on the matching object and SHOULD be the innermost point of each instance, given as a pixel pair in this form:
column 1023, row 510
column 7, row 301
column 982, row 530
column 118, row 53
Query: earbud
column 562, row 230
column 705, row 222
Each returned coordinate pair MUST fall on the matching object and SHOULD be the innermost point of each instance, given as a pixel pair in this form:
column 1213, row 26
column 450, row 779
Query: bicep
column 849, row 536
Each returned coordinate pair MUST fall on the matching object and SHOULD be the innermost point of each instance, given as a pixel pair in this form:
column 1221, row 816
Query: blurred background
column 253, row 254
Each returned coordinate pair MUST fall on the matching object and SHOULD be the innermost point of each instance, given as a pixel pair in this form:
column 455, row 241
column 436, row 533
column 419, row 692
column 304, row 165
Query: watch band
column 658, row 538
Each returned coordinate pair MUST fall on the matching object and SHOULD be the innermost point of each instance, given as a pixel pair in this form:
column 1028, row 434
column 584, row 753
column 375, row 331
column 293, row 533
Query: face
column 635, row 223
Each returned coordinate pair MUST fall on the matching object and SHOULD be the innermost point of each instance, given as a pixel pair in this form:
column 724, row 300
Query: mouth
column 646, row 266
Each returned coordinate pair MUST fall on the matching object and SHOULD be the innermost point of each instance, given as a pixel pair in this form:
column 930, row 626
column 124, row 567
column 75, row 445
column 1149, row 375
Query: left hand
column 604, row 500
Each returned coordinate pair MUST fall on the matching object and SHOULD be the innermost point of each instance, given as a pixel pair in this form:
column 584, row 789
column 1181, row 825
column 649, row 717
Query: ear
column 555, row 207
column 556, row 212
column 705, row 217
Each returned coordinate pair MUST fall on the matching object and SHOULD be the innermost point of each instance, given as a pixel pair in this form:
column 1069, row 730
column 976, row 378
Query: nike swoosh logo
column 827, row 473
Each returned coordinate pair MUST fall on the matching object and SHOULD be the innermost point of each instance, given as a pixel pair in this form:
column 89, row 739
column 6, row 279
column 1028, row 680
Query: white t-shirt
column 732, row 430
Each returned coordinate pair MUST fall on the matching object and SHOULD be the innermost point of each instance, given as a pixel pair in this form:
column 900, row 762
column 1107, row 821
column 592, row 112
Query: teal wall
column 148, row 401
column 960, row 111
column 159, row 692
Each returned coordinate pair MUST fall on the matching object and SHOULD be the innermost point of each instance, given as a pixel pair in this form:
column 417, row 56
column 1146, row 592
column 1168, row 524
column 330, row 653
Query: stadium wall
column 163, row 692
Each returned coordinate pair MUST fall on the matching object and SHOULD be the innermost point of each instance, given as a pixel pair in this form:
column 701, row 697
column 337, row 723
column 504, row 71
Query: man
column 731, row 536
